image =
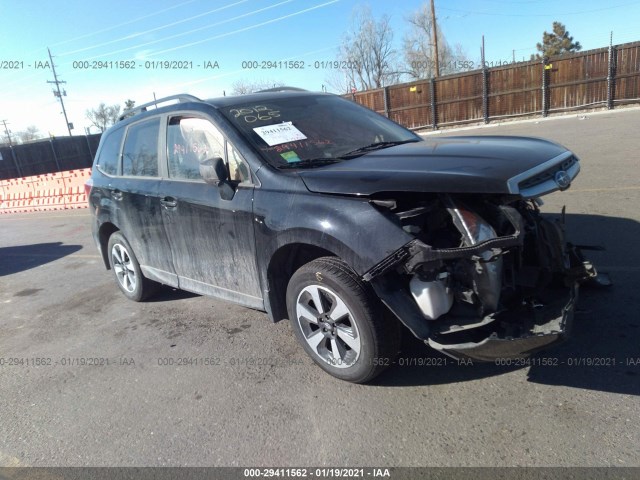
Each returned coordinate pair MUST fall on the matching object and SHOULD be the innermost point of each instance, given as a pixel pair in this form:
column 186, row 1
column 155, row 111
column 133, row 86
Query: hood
column 475, row 164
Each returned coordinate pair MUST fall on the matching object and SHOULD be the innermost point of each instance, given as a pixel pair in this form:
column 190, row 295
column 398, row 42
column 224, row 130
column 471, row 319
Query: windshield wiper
column 310, row 163
column 374, row 146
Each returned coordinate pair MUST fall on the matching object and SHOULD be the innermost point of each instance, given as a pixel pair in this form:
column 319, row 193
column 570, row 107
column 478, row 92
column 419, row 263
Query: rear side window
column 140, row 153
column 110, row 152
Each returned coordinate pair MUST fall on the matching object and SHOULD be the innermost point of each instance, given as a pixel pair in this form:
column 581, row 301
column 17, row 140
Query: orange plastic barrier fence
column 19, row 194
column 50, row 191
column 74, row 196
column 3, row 195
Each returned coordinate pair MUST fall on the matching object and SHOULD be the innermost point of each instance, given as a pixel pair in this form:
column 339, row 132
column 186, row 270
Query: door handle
column 169, row 202
column 116, row 194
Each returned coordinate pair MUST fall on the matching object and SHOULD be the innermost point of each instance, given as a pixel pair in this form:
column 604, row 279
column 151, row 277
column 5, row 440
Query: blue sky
column 231, row 32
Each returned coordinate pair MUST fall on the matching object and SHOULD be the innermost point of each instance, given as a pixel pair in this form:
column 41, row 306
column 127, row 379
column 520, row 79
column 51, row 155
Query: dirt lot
column 110, row 382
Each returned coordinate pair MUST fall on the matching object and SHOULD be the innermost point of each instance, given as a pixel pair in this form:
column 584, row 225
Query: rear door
column 211, row 237
column 135, row 196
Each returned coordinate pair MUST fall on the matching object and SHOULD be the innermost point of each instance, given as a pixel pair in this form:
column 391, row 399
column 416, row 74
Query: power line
column 251, row 27
column 435, row 39
column 57, row 92
column 155, row 29
column 128, row 22
column 189, row 32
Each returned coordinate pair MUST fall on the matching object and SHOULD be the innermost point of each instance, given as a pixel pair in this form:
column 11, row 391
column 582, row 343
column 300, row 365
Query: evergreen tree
column 556, row 43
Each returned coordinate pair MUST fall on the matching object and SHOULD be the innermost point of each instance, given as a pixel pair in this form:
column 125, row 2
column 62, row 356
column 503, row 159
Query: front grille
column 547, row 174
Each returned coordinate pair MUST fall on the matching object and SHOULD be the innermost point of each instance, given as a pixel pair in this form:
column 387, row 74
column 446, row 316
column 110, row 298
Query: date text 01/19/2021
column 327, row 472
column 556, row 362
column 299, row 65
column 145, row 65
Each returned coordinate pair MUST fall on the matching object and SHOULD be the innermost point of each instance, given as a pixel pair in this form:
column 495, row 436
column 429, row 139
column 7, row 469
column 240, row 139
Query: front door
column 212, row 238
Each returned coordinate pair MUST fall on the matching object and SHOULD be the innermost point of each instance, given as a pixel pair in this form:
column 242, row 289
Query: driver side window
column 191, row 141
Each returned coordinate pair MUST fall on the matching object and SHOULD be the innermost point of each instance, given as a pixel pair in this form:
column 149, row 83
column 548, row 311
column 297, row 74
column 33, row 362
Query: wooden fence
column 602, row 77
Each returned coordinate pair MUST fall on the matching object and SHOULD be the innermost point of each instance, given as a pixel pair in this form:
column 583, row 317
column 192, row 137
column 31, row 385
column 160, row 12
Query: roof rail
column 183, row 97
column 282, row 89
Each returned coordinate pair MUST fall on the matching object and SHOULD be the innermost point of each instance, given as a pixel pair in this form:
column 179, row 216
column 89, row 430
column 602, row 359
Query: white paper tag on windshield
column 279, row 133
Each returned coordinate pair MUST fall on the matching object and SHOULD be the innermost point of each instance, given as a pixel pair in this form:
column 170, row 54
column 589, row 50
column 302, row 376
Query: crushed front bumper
column 517, row 333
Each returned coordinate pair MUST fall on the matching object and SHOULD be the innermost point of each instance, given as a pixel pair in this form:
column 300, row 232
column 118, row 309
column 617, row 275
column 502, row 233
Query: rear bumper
column 517, row 333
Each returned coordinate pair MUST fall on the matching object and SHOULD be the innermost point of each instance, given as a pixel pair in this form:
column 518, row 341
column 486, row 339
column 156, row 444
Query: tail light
column 87, row 187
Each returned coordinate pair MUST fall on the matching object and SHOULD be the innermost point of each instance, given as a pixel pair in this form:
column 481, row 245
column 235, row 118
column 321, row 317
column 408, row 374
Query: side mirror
column 214, row 172
column 209, row 170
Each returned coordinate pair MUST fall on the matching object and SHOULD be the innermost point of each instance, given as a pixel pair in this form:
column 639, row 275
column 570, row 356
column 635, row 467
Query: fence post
column 385, row 94
column 432, row 94
column 611, row 76
column 485, row 86
column 55, row 157
column 86, row 138
column 15, row 160
column 485, row 93
column 545, row 87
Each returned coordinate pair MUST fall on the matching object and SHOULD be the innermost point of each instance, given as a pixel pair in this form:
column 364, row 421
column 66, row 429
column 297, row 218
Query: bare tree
column 29, row 134
column 103, row 116
column 367, row 53
column 340, row 81
column 419, row 51
column 242, row 87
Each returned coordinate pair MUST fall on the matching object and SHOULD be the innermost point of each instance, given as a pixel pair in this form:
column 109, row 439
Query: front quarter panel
column 349, row 227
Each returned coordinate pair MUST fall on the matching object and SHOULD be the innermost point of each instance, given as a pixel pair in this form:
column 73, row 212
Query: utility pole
column 4, row 122
column 57, row 93
column 435, row 39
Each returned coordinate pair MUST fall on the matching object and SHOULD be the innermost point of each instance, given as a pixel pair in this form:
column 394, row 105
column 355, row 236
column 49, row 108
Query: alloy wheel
column 123, row 267
column 328, row 326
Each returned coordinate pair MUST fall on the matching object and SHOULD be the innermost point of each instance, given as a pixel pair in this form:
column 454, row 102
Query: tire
column 339, row 322
column 126, row 270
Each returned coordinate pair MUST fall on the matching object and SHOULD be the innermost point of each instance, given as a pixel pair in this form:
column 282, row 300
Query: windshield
column 313, row 130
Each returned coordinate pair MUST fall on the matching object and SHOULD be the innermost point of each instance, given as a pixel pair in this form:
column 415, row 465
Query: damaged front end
column 485, row 277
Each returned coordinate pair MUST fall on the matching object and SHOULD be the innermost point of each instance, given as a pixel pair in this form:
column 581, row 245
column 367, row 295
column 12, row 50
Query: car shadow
column 170, row 294
column 25, row 257
column 603, row 351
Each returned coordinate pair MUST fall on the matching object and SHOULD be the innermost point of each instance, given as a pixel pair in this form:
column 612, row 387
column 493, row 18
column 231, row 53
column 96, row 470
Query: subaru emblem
column 563, row 180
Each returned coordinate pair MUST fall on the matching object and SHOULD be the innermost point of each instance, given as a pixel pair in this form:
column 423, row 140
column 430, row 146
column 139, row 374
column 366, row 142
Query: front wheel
column 126, row 269
column 338, row 321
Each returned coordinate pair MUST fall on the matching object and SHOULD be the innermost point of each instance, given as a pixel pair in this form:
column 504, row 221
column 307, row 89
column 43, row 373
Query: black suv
column 313, row 208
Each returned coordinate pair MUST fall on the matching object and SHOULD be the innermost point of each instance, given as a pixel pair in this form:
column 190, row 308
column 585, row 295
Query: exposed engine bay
column 485, row 277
